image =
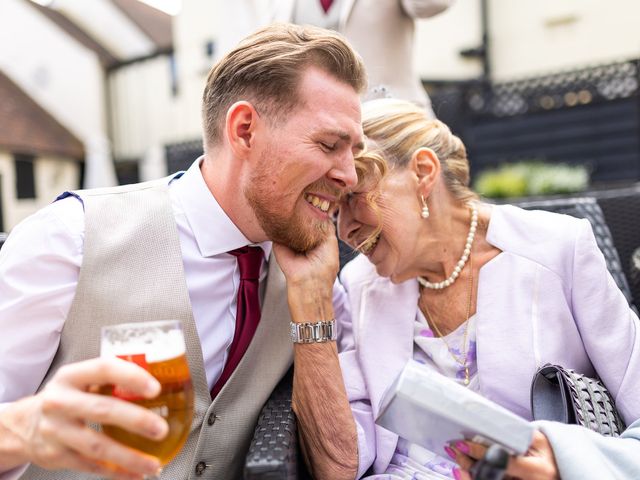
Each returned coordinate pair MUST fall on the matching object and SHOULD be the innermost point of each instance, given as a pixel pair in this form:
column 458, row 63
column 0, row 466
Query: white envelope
column 430, row 410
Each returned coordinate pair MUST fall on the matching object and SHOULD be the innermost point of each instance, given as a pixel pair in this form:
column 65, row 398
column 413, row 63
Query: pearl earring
column 425, row 208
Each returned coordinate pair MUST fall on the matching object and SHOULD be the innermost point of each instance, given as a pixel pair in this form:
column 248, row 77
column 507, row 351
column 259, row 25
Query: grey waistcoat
column 132, row 271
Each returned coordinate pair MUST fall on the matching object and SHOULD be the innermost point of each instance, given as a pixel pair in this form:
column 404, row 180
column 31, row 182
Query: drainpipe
column 481, row 52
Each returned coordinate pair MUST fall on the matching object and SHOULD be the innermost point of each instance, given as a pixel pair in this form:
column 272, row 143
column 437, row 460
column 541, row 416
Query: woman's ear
column 426, row 165
column 240, row 127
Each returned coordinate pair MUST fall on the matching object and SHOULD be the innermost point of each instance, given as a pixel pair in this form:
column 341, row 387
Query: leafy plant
column 531, row 178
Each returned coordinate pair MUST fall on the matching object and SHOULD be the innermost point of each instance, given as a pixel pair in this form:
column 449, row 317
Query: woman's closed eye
column 348, row 198
column 352, row 199
column 327, row 147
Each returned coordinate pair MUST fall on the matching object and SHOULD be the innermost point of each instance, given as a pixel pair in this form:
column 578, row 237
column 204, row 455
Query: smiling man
column 282, row 124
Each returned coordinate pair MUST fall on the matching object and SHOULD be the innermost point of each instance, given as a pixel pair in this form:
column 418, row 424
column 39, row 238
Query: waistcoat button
column 200, row 468
column 212, row 419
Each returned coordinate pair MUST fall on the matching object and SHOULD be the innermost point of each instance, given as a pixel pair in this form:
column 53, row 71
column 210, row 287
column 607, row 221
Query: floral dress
column 411, row 461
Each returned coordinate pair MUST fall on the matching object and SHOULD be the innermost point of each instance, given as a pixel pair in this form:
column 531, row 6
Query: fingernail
column 456, row 473
column 153, row 469
column 153, row 387
column 160, row 430
column 450, row 452
column 463, row 447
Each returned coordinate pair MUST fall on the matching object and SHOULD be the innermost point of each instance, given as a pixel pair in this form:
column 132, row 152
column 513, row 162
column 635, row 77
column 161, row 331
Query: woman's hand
column 319, row 264
column 537, row 464
column 310, row 277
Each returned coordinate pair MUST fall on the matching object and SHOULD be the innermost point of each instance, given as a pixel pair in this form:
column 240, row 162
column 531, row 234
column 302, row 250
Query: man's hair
column 266, row 67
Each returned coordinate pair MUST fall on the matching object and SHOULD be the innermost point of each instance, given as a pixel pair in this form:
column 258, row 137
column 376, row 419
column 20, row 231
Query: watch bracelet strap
column 313, row 332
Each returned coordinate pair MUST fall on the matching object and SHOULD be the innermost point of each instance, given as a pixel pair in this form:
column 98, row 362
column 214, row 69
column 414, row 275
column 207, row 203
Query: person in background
column 281, row 116
column 382, row 31
column 482, row 294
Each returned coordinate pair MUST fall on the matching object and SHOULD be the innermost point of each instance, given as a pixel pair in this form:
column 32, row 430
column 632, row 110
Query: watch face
column 294, row 332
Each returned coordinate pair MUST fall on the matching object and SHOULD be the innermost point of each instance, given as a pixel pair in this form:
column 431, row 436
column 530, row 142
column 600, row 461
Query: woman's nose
column 347, row 225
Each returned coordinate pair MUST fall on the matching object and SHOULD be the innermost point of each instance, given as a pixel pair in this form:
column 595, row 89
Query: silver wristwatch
column 318, row 332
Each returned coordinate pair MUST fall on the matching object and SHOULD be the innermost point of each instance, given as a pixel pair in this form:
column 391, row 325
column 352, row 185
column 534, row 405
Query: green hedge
column 529, row 178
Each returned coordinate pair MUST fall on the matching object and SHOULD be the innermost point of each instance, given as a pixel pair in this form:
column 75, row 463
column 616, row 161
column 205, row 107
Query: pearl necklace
column 463, row 259
column 463, row 359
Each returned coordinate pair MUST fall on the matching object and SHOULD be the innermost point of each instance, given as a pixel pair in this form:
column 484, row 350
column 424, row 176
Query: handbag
column 563, row 395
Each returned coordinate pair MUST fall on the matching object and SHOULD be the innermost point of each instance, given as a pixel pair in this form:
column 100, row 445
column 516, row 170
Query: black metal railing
column 588, row 116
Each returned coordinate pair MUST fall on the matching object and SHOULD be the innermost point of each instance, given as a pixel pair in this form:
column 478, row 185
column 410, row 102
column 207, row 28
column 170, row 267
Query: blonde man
column 282, row 124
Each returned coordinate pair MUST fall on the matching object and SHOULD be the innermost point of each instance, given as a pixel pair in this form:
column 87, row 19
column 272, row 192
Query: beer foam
column 163, row 346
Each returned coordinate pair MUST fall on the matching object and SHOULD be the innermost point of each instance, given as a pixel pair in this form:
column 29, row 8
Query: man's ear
column 426, row 165
column 240, row 127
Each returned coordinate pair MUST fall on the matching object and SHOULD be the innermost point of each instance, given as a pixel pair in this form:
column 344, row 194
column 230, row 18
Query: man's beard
column 298, row 232
column 301, row 235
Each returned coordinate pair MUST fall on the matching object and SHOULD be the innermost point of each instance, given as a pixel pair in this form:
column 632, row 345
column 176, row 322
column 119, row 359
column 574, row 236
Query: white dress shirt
column 310, row 12
column 40, row 263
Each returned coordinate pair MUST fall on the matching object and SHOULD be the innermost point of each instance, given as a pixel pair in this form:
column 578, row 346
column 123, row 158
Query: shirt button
column 212, row 419
column 200, row 468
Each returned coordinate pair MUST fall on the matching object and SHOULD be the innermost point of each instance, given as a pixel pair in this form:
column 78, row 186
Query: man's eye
column 326, row 147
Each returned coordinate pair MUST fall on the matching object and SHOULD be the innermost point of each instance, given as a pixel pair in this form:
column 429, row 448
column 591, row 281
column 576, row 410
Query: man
column 282, row 123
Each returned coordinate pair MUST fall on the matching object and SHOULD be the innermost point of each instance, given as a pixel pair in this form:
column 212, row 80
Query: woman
column 482, row 294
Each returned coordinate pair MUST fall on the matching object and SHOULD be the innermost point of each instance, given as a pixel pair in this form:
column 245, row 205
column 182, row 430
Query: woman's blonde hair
column 397, row 128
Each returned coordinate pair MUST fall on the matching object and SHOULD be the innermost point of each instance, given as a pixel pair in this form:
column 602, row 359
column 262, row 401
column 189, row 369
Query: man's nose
column 344, row 171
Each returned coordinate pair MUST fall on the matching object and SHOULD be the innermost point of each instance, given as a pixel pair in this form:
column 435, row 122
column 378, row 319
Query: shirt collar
column 213, row 230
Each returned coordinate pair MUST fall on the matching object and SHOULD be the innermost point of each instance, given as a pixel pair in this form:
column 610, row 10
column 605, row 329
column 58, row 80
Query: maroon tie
column 326, row 5
column 247, row 313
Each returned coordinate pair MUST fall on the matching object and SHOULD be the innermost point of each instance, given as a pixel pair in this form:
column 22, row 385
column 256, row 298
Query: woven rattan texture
column 621, row 212
column 273, row 453
column 588, row 208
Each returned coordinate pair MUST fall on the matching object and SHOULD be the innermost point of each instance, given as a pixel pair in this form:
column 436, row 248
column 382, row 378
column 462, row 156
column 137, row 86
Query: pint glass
column 159, row 348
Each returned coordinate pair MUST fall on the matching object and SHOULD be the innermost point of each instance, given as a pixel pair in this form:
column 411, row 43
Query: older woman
column 483, row 294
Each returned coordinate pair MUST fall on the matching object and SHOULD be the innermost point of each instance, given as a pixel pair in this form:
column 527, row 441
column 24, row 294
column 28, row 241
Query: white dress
column 411, row 461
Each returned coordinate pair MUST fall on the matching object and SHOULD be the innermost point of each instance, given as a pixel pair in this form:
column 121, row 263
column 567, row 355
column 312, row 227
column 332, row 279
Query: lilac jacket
column 548, row 297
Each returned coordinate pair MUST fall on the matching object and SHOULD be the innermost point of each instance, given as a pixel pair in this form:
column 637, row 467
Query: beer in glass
column 159, row 348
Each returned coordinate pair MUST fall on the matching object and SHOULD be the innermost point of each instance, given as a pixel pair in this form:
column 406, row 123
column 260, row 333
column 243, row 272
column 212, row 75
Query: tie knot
column 249, row 262
column 326, row 5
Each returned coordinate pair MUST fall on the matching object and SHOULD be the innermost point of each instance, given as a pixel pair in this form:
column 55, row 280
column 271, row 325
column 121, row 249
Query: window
column 210, row 49
column 25, row 180
column 173, row 73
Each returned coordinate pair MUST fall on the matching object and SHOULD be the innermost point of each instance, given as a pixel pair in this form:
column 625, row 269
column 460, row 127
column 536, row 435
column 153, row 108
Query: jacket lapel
column 386, row 332
column 345, row 13
column 507, row 319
